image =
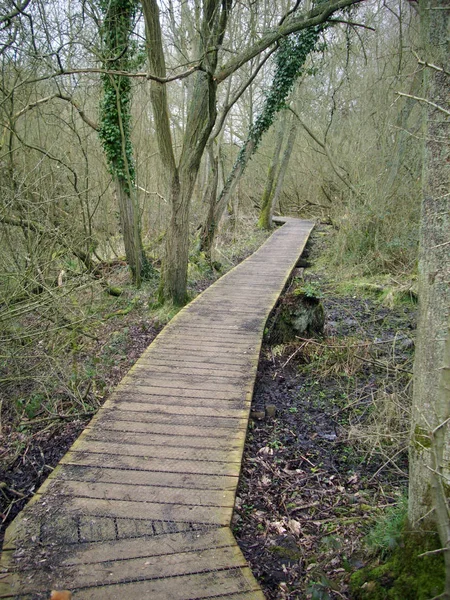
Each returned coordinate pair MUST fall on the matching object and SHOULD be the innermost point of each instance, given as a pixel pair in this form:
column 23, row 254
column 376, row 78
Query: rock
column 258, row 415
column 271, row 410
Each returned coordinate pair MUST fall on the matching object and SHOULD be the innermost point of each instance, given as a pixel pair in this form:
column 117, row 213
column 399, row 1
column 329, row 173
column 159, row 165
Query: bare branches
column 316, row 16
column 19, row 8
column 60, row 96
column 325, row 148
column 140, row 75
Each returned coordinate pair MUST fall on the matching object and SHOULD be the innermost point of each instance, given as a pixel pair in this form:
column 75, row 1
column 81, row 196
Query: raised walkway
column 141, row 505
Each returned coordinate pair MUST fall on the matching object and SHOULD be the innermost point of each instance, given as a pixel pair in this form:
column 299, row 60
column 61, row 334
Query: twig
column 433, row 552
column 430, row 65
column 294, row 354
column 419, row 99
column 382, row 365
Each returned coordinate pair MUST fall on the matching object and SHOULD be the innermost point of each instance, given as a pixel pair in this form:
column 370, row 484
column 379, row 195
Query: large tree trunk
column 430, row 444
column 200, row 122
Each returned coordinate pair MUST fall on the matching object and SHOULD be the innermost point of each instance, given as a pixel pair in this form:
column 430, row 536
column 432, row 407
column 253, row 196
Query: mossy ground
column 403, row 574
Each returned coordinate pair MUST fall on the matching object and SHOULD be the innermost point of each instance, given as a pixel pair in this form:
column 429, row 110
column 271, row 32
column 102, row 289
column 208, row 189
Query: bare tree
column 201, row 112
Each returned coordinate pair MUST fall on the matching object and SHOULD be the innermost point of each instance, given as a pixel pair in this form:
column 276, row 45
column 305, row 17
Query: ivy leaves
column 289, row 60
column 115, row 109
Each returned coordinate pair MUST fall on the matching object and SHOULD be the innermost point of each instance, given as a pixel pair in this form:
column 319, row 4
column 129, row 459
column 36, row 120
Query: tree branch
column 430, row 65
column 351, row 23
column 19, row 10
column 141, row 75
column 316, row 16
column 419, row 99
column 60, row 96
column 324, row 147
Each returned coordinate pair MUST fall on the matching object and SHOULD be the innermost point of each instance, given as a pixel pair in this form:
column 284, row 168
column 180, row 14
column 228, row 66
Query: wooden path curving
column 141, row 505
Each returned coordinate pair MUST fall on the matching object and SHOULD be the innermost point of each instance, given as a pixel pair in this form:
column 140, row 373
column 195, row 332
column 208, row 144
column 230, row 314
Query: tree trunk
column 129, row 223
column 430, row 432
column 283, row 167
column 265, row 215
column 209, row 200
column 200, row 122
column 215, row 212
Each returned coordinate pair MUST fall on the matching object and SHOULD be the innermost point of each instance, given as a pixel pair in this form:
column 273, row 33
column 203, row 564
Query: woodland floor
column 318, row 475
column 315, row 476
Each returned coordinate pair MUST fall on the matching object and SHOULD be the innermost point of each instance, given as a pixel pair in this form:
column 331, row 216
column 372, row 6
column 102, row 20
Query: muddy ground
column 318, row 474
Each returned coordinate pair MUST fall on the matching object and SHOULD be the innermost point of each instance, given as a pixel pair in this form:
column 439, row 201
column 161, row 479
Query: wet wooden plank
column 138, row 477
column 140, row 493
column 146, row 463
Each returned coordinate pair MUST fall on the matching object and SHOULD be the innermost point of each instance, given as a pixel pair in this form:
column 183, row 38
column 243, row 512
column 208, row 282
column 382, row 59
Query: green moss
column 287, row 553
column 404, row 575
column 387, row 533
column 422, row 438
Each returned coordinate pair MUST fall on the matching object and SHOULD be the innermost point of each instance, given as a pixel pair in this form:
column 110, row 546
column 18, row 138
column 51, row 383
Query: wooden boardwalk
column 141, row 505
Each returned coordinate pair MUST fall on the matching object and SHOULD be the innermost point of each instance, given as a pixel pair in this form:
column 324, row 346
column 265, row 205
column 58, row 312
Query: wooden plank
column 147, row 439
column 129, row 569
column 210, row 332
column 203, row 337
column 157, row 478
column 179, row 410
column 196, row 431
column 188, row 587
column 143, row 395
column 176, row 543
column 207, row 359
column 213, row 515
column 190, row 368
column 142, row 377
column 206, row 422
column 146, row 463
column 140, row 493
column 231, row 393
column 192, row 454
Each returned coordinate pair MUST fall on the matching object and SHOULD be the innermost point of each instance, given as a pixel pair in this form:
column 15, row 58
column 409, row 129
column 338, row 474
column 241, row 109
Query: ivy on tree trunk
column 115, row 122
column 289, row 62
